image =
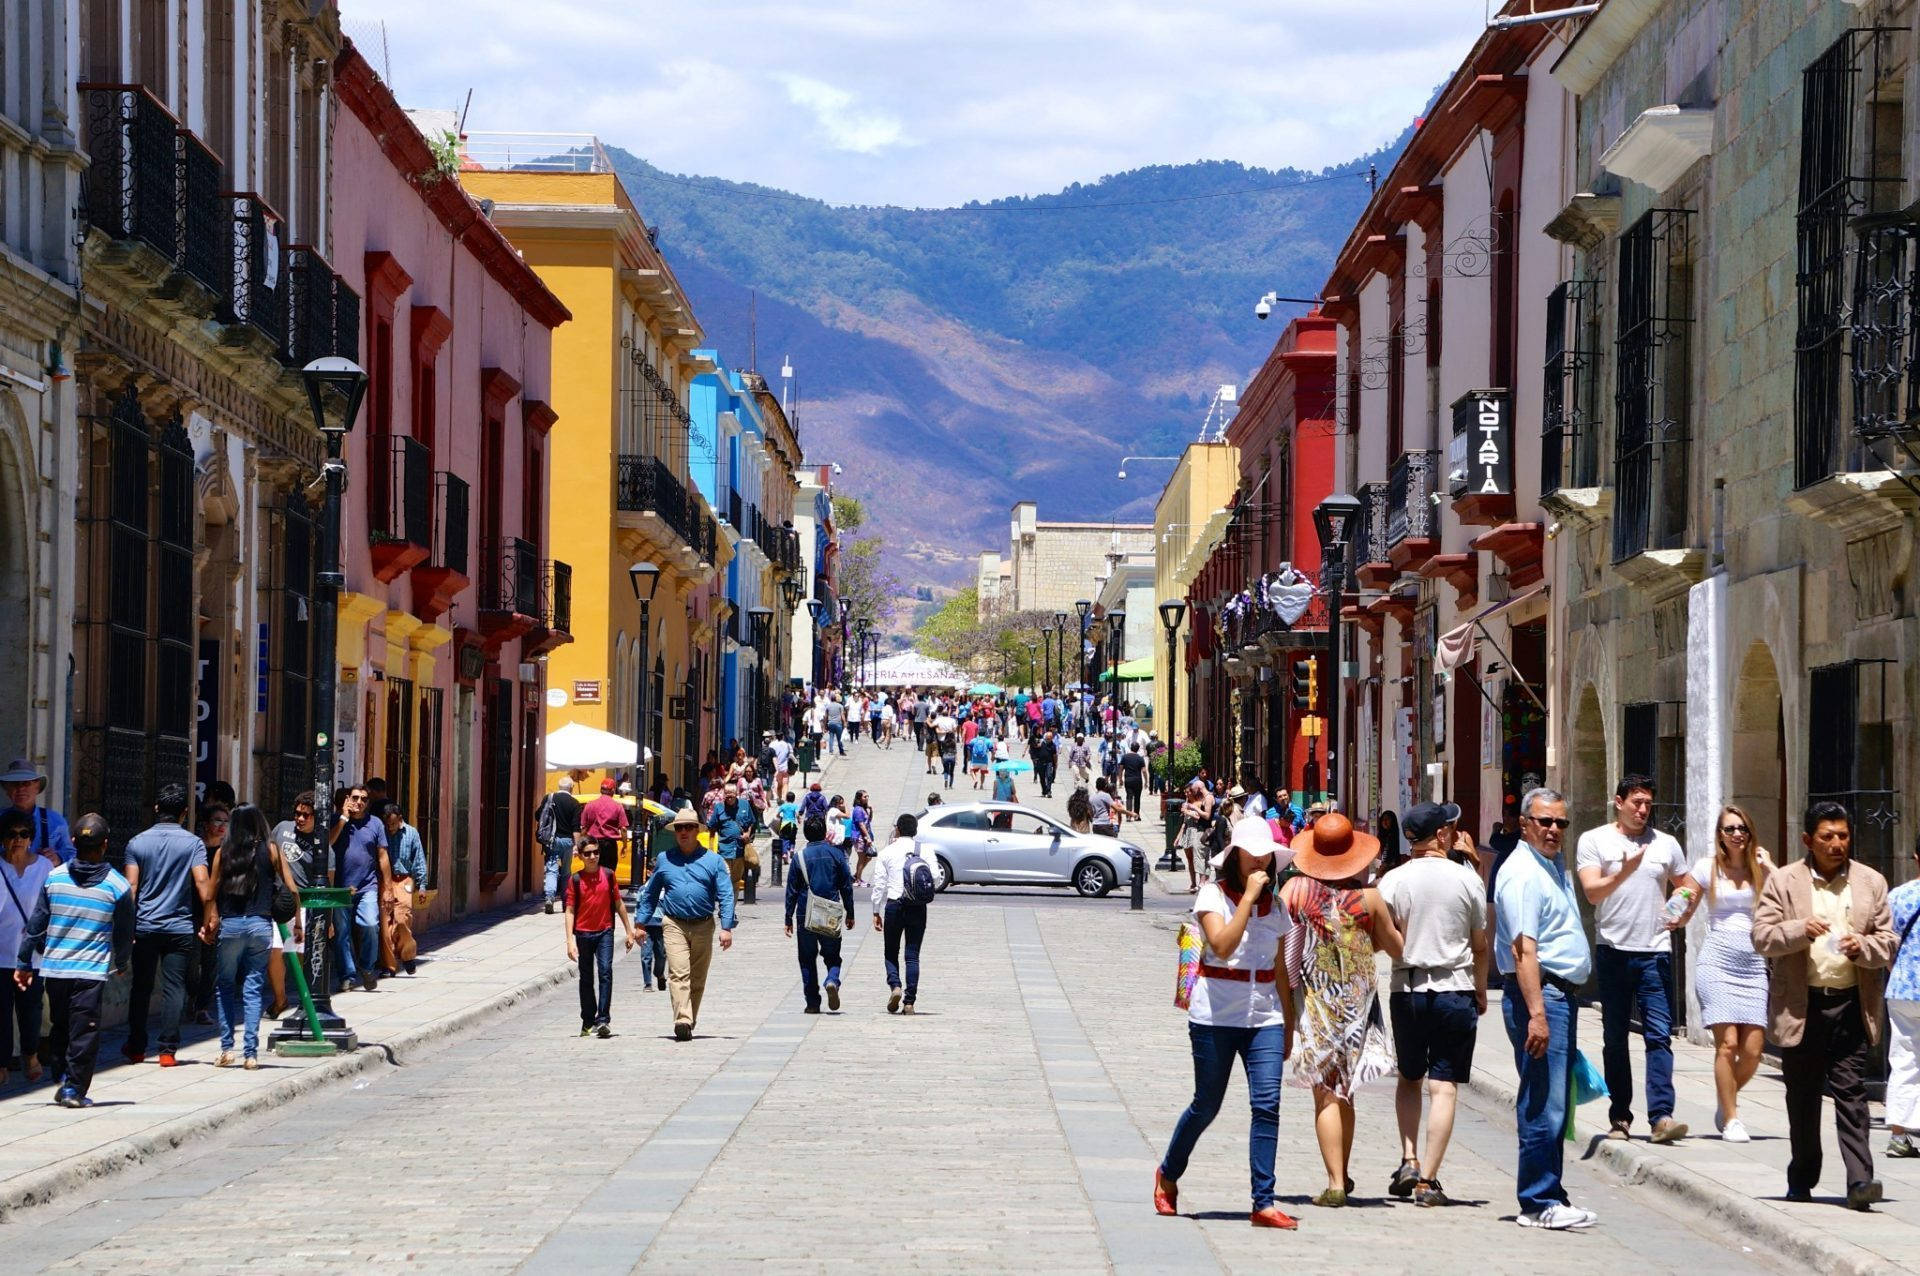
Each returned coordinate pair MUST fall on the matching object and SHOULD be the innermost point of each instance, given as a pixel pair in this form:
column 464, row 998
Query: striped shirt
column 80, row 924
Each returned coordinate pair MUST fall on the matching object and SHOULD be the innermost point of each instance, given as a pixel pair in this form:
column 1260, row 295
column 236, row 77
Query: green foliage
column 446, row 154
column 849, row 514
column 1179, row 764
column 1004, row 648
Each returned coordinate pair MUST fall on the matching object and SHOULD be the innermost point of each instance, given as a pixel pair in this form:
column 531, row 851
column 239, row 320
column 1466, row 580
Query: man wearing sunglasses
column 1541, row 949
column 1626, row 869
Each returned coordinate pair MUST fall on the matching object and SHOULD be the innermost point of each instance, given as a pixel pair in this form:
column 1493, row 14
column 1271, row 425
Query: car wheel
column 1092, row 879
column 945, row 870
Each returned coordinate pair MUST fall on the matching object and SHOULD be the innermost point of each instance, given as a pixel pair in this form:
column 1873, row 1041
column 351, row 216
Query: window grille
column 1654, row 743
column 1838, row 181
column 1851, row 758
column 1570, row 399
column 1652, row 399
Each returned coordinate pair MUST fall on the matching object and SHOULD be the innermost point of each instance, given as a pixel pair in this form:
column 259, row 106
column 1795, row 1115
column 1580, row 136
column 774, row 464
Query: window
column 1845, row 170
column 220, row 73
column 1654, row 742
column 279, row 91
column 964, row 820
column 426, row 811
column 1570, row 399
column 295, row 671
column 1851, row 760
column 1653, row 396
column 400, row 743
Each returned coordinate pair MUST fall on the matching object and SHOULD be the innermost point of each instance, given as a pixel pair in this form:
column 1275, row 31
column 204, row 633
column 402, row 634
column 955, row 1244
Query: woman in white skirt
column 1196, row 814
column 1730, row 975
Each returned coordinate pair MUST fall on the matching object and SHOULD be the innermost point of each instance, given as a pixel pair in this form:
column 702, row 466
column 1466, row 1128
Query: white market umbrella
column 579, row 747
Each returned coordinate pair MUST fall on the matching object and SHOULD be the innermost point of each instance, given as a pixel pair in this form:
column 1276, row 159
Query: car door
column 1018, row 845
column 961, row 839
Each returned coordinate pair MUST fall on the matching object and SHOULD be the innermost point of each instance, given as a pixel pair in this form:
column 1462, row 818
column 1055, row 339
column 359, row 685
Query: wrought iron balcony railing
column 647, row 486
column 256, row 294
column 1570, row 393
column 1886, row 391
column 556, row 582
column 1411, row 485
column 512, row 583
column 1370, row 538
column 323, row 313
column 204, row 231
column 404, row 512
column 450, row 523
column 132, row 185
column 733, row 512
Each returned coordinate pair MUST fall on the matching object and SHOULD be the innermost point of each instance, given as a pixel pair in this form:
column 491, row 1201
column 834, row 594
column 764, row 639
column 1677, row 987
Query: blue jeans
column 559, row 864
column 836, row 736
column 1261, row 1052
column 1625, row 978
column 357, row 932
column 906, row 921
column 596, row 958
column 827, row 950
column 653, row 955
column 1542, row 1114
column 246, row 946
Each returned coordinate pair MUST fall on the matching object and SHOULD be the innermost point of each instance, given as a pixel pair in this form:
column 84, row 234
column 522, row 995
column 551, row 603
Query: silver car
column 1003, row 844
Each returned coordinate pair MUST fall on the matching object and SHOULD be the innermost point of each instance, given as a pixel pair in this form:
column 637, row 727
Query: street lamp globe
column 645, row 578
column 349, row 385
column 1085, row 608
column 1172, row 612
column 1334, row 519
column 816, row 609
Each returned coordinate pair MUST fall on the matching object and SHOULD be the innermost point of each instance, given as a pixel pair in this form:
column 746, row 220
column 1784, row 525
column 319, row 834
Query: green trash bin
column 326, row 897
column 1170, row 811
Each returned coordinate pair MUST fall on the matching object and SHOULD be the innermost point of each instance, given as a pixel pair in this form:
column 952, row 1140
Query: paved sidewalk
column 468, row 971
column 1743, row 1184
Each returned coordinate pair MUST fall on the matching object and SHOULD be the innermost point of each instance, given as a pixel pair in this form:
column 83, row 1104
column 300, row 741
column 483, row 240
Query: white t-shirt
column 1231, row 1003
column 1631, row 918
column 1438, row 905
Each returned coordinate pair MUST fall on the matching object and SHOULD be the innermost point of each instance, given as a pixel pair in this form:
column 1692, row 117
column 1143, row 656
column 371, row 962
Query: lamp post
column 1059, row 640
column 335, row 386
column 1085, row 608
column 761, row 619
column 1333, row 522
column 1172, row 612
column 816, row 609
column 645, row 578
column 1116, row 649
column 860, row 629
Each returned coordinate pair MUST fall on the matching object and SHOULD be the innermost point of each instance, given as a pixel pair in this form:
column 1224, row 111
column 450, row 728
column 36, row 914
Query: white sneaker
column 1560, row 1218
column 1735, row 1131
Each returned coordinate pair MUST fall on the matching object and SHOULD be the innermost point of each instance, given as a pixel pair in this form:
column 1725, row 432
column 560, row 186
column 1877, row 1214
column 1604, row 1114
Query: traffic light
column 1306, row 684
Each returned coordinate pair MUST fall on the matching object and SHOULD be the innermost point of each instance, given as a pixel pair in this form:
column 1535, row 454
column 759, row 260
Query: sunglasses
column 22, row 835
column 586, row 851
column 1741, row 829
column 1549, row 822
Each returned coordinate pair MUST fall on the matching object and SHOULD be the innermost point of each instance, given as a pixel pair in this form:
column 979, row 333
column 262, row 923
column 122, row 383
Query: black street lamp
column 816, row 609
column 335, row 387
column 645, row 578
column 761, row 619
column 861, row 627
column 1333, row 522
column 1059, row 639
column 1033, row 664
column 1117, row 647
column 1172, row 612
column 1085, row 608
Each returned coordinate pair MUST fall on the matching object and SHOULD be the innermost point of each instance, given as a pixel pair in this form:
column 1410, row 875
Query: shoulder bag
column 824, row 917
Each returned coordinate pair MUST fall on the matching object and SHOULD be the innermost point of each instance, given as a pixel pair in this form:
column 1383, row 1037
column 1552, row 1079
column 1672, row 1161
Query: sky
column 927, row 103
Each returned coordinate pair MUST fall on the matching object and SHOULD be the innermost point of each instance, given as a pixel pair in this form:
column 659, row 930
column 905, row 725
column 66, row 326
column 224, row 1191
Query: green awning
column 1139, row 669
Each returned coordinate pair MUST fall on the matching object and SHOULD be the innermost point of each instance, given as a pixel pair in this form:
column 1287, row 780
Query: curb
column 1763, row 1225
column 43, row 1186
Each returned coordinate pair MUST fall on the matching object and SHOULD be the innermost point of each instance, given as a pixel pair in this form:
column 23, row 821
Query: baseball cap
column 607, row 785
column 1424, row 820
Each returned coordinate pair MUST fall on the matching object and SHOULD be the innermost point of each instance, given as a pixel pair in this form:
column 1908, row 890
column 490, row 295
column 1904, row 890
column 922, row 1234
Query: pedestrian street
column 1013, row 1122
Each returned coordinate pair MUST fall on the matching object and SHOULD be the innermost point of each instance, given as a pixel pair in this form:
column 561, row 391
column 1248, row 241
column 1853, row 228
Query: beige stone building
column 1049, row 566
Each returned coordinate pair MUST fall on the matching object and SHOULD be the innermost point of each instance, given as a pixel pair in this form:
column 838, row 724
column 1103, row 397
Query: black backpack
column 918, row 883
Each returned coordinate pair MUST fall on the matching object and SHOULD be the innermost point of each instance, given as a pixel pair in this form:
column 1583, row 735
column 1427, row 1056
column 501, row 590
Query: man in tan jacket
column 1824, row 927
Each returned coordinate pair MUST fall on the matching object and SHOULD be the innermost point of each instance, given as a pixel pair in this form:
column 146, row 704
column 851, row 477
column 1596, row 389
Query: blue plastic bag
column 1589, row 1083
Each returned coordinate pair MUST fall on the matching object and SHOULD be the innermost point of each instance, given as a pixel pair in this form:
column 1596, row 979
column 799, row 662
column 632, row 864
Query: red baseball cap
column 607, row 785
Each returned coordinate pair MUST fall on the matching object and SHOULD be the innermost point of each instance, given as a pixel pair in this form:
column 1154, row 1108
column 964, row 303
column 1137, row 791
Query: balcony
column 1371, row 567
column 509, row 590
column 443, row 576
column 648, row 488
column 255, row 296
column 1480, row 462
column 153, row 189
column 556, row 610
column 400, row 530
column 323, row 313
column 1412, row 526
column 733, row 514
column 1570, row 404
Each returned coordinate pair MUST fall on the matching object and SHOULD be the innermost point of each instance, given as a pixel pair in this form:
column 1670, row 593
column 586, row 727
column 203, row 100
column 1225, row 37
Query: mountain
column 955, row 361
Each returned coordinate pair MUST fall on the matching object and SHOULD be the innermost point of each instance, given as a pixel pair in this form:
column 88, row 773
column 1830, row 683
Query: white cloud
column 930, row 102
column 842, row 123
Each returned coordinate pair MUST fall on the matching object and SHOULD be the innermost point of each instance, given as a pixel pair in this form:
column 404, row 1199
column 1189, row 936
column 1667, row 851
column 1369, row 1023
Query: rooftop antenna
column 1373, row 180
column 786, row 384
column 753, row 330
column 465, row 106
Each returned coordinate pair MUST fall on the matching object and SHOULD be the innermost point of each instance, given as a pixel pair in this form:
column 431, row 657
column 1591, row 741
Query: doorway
column 1760, row 749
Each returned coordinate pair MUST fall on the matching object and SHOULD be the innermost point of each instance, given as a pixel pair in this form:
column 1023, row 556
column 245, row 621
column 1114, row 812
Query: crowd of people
column 1812, row 955
column 199, row 917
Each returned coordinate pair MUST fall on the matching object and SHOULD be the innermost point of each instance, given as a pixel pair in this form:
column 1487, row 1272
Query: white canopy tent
column 579, row 747
column 912, row 669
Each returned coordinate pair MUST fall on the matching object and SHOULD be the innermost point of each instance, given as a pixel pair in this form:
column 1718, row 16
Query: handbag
column 823, row 917
column 285, row 904
column 1189, row 968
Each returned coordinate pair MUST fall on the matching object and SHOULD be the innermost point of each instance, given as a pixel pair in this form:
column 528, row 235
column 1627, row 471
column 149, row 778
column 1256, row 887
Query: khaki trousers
column 397, row 946
column 689, row 952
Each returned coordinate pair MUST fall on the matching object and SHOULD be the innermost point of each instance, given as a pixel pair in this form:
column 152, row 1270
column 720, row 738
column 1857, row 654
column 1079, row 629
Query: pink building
column 451, row 598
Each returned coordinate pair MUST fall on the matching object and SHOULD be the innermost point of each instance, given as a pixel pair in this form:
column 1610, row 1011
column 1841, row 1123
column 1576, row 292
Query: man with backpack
column 591, row 902
column 904, row 883
column 820, row 890
column 556, row 824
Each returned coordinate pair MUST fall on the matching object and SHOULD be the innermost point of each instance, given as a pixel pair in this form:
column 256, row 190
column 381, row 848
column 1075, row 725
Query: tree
column 1002, row 648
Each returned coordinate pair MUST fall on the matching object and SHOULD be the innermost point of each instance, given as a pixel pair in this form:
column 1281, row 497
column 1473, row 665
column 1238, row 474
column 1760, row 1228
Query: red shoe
column 1272, row 1217
column 168, row 1061
column 1166, row 1196
column 131, row 1057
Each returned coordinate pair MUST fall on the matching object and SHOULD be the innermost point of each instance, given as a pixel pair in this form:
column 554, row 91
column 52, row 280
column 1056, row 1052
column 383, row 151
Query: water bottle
column 1678, row 903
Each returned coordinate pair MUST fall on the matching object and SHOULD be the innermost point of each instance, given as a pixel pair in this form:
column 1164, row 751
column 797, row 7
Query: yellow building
column 622, row 449
column 1187, row 520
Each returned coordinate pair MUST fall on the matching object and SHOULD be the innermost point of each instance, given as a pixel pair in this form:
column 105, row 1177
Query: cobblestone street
column 1014, row 1122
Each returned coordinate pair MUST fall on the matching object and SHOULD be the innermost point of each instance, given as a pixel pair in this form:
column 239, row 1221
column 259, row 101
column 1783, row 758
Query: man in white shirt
column 1626, row 869
column 897, row 917
column 1439, row 987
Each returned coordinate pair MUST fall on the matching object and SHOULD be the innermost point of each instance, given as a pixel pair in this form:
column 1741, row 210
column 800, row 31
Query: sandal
column 1166, row 1195
column 225, row 1060
column 34, row 1070
column 252, row 1064
column 1333, row 1198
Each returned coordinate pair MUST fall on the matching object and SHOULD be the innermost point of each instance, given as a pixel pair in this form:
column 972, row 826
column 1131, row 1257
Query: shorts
column 1433, row 1034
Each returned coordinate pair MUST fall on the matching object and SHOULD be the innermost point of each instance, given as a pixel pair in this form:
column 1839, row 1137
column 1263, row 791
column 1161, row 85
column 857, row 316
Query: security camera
column 1553, row 529
column 837, row 469
column 1123, row 473
column 1263, row 309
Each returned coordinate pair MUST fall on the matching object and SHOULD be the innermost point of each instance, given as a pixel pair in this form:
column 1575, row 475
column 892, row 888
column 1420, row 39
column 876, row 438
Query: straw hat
column 1330, row 849
column 686, row 815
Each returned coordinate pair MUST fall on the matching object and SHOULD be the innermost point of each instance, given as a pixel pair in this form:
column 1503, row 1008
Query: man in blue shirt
column 732, row 823
column 408, row 857
column 818, row 869
column 24, row 783
column 173, row 913
column 1543, row 956
column 1903, row 1018
column 689, row 884
column 360, row 857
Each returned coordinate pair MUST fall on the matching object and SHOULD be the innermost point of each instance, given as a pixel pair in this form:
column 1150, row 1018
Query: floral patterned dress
column 1342, row 1043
